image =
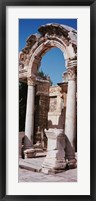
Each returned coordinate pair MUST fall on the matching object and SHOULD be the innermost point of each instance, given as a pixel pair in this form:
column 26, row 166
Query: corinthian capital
column 71, row 73
column 31, row 80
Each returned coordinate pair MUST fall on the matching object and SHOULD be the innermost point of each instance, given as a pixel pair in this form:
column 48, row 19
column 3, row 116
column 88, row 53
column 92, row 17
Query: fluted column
column 29, row 125
column 70, row 122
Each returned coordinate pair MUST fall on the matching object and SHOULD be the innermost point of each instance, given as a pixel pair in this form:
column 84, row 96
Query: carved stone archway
column 50, row 36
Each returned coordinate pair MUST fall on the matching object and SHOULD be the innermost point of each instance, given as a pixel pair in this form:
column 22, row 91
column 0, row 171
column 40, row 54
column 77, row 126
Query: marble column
column 29, row 125
column 70, row 122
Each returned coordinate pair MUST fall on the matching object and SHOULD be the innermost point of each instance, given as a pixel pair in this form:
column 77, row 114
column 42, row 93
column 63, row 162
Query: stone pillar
column 70, row 122
column 55, row 159
column 29, row 125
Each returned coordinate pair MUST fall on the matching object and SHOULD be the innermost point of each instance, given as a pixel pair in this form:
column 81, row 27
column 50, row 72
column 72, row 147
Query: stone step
column 32, row 164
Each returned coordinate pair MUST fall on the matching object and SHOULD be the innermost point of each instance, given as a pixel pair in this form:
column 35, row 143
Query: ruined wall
column 57, row 108
column 50, row 107
column 41, row 111
column 41, row 105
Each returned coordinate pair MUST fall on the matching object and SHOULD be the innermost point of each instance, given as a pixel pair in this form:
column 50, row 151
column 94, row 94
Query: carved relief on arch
column 40, row 51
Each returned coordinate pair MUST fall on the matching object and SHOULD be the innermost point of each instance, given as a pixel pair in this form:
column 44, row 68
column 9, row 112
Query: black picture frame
column 3, row 4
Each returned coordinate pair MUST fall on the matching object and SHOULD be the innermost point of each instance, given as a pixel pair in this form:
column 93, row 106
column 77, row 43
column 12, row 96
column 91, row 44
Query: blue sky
column 52, row 63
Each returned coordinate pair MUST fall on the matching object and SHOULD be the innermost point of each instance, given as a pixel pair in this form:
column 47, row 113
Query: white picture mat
column 82, row 186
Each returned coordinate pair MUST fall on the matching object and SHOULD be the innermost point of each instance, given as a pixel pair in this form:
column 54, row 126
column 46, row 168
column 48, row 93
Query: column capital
column 31, row 80
column 72, row 63
column 72, row 73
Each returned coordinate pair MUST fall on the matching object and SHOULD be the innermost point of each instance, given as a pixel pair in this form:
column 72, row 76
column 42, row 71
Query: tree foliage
column 42, row 75
column 22, row 105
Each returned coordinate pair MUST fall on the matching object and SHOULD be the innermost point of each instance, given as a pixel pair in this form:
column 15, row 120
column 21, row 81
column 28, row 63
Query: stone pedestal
column 55, row 159
column 29, row 125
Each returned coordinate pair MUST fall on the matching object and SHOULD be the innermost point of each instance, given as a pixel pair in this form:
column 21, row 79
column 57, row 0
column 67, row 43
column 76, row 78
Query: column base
column 71, row 164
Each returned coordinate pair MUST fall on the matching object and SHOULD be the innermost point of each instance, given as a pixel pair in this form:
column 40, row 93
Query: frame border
column 3, row 4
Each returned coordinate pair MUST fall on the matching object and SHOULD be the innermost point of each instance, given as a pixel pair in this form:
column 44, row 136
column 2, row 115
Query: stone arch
column 51, row 35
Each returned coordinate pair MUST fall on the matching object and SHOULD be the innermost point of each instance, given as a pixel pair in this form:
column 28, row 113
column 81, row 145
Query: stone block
column 55, row 154
column 55, row 159
column 29, row 153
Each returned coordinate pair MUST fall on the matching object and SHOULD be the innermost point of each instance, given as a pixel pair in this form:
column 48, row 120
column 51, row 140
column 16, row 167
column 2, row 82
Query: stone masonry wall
column 41, row 106
column 41, row 111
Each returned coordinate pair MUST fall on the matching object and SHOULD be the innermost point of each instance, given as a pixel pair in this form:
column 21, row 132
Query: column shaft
column 29, row 125
column 70, row 123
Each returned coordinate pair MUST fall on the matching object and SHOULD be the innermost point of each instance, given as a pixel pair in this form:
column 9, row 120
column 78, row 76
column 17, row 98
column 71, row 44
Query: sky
column 52, row 63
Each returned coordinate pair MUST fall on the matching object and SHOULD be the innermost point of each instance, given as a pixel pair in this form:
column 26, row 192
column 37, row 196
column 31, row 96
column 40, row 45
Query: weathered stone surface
column 29, row 153
column 51, row 35
column 64, row 38
column 56, row 114
column 36, row 176
column 60, row 30
column 55, row 159
column 41, row 106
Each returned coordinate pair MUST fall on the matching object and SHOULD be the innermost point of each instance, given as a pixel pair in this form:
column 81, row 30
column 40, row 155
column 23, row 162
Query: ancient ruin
column 51, row 110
